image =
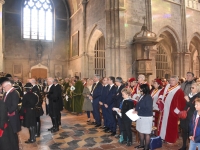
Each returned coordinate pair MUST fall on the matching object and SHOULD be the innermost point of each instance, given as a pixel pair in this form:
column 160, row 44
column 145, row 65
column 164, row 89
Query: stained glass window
column 38, row 20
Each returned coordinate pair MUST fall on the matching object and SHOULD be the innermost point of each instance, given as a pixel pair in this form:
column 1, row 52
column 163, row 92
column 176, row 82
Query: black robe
column 52, row 95
column 40, row 111
column 11, row 101
column 58, row 88
column 28, row 106
column 7, row 141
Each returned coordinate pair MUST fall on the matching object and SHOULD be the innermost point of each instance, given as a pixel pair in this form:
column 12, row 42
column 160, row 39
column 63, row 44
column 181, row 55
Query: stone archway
column 194, row 48
column 95, row 35
column 166, row 52
column 39, row 71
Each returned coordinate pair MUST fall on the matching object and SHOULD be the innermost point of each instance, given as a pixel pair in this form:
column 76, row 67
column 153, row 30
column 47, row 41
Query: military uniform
column 29, row 103
column 39, row 110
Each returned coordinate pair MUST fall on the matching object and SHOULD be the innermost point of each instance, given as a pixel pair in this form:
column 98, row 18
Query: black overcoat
column 28, row 106
column 7, row 141
column 53, row 95
column 39, row 111
column 58, row 88
column 11, row 101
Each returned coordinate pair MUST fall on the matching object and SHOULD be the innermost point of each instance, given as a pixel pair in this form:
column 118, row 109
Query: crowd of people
column 175, row 103
column 165, row 99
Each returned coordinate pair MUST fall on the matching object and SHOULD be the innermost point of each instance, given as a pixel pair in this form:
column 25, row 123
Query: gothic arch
column 173, row 33
column 166, row 50
column 94, row 36
column 194, row 48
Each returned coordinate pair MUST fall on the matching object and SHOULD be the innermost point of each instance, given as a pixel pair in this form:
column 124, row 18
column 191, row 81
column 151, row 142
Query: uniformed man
column 54, row 108
column 39, row 109
column 11, row 99
column 60, row 100
column 29, row 102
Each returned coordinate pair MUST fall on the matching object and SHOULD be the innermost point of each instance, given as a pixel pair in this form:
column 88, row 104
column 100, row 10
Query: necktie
column 93, row 86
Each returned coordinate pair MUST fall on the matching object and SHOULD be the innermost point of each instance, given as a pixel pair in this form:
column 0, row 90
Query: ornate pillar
column 1, row 37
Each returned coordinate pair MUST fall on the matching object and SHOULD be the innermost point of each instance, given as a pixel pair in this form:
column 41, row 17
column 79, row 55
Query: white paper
column 132, row 116
column 115, row 109
column 66, row 97
column 176, row 110
column 120, row 114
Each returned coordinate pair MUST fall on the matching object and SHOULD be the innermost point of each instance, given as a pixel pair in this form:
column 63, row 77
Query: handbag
column 155, row 142
column 183, row 114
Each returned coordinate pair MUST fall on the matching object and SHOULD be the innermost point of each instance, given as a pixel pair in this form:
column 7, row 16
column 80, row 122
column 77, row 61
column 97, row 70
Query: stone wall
column 23, row 52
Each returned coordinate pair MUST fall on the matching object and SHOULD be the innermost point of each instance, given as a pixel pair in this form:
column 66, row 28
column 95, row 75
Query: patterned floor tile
column 76, row 134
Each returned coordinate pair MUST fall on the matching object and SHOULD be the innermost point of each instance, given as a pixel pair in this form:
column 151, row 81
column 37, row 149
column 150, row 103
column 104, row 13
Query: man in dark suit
column 39, row 111
column 109, row 102
column 118, row 100
column 58, row 88
column 54, row 110
column 105, row 90
column 11, row 99
column 95, row 97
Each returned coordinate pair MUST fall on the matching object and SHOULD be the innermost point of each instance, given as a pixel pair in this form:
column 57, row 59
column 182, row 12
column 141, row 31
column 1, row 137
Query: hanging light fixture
column 145, row 36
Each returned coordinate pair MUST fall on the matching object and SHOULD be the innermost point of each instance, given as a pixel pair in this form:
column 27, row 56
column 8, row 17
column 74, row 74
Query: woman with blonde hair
column 87, row 104
column 190, row 108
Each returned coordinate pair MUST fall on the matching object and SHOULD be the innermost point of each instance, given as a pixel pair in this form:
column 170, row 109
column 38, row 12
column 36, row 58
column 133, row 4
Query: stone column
column 183, row 46
column 1, row 37
column 199, row 66
column 85, row 58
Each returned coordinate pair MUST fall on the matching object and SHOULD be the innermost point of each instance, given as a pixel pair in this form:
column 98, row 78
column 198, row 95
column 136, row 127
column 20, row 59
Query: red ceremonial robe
column 174, row 102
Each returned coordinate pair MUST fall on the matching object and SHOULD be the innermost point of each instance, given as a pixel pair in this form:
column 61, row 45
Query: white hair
column 142, row 76
column 50, row 79
column 7, row 83
column 98, row 76
column 175, row 77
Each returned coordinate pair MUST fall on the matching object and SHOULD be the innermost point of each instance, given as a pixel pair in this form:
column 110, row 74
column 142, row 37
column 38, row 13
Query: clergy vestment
column 154, row 94
column 174, row 102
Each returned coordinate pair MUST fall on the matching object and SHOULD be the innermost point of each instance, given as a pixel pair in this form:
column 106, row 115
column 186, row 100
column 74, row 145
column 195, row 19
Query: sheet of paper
column 176, row 110
column 132, row 116
column 120, row 114
column 115, row 109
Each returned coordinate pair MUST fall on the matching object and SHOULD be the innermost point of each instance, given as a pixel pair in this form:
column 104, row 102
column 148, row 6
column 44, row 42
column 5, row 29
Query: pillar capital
column 2, row 2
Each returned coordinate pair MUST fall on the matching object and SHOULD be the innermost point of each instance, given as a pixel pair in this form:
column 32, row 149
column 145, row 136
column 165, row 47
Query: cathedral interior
column 64, row 38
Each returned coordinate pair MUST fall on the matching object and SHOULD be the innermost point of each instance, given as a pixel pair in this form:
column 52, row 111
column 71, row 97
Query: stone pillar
column 112, row 38
column 183, row 45
column 1, row 37
column 176, row 57
column 199, row 65
column 85, row 72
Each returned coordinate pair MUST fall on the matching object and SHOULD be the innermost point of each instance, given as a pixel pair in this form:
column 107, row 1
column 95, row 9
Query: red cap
column 159, row 81
column 131, row 80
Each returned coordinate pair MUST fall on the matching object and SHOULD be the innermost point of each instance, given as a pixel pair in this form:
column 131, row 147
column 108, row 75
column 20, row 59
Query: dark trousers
column 96, row 112
column 119, row 122
column 126, row 130
column 111, row 119
column 105, row 116
column 88, row 113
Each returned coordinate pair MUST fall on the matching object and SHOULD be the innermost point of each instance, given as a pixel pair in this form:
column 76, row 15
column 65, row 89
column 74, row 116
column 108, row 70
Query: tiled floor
column 76, row 134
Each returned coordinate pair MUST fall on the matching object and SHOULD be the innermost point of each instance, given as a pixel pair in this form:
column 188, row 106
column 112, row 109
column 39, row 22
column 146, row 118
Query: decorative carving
column 145, row 66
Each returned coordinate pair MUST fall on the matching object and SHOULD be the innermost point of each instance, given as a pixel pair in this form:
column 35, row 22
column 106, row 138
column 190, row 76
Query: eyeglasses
column 191, row 87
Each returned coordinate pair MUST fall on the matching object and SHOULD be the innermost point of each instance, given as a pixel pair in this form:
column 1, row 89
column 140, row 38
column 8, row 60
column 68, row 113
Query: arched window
column 161, row 62
column 99, row 57
column 37, row 20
